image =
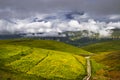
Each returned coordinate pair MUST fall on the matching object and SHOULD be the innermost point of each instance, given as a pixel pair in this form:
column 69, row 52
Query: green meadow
column 41, row 60
column 106, row 46
column 53, row 60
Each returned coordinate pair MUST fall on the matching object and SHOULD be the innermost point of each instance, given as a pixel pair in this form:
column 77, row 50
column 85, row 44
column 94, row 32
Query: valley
column 53, row 60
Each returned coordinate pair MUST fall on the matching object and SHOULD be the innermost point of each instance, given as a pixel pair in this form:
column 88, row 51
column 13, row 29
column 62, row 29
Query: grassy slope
column 21, row 61
column 108, row 54
column 47, row 44
column 103, row 46
column 112, row 62
column 111, row 59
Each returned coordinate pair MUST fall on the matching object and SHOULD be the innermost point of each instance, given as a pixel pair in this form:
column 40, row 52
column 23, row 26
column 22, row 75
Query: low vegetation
column 20, row 61
column 47, row 44
column 103, row 46
column 108, row 55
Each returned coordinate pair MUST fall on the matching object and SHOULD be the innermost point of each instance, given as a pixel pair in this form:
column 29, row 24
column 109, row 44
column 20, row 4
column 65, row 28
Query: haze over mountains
column 60, row 24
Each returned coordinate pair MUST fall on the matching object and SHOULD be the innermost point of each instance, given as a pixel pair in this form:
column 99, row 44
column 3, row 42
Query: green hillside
column 109, row 56
column 26, row 60
column 110, row 59
column 112, row 62
column 103, row 46
column 47, row 44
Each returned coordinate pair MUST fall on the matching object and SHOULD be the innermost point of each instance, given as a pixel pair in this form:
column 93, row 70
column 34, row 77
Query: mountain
column 10, row 36
column 115, row 33
column 76, row 38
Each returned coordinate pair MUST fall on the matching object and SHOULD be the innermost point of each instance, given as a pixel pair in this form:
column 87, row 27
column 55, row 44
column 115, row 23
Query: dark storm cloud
column 30, row 7
column 104, row 6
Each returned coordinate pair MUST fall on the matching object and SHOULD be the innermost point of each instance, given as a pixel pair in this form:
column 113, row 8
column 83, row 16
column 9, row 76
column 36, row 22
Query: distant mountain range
column 71, row 37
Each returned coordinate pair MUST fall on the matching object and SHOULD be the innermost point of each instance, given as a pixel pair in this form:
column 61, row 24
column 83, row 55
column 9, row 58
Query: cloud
column 56, row 24
column 27, row 8
column 114, row 25
column 6, row 27
column 92, row 26
column 34, row 27
column 53, row 16
column 114, row 17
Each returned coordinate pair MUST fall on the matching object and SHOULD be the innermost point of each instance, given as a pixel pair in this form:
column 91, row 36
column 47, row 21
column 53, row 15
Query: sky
column 52, row 16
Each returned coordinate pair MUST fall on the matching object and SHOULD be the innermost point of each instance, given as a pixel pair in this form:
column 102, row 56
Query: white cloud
column 24, row 26
column 57, row 25
column 73, row 23
column 104, row 33
column 114, row 24
column 113, row 17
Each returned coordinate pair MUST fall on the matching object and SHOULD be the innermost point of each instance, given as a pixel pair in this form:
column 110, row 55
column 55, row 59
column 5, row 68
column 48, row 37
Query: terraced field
column 21, row 62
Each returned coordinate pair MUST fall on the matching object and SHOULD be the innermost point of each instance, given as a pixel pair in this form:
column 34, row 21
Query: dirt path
column 88, row 69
